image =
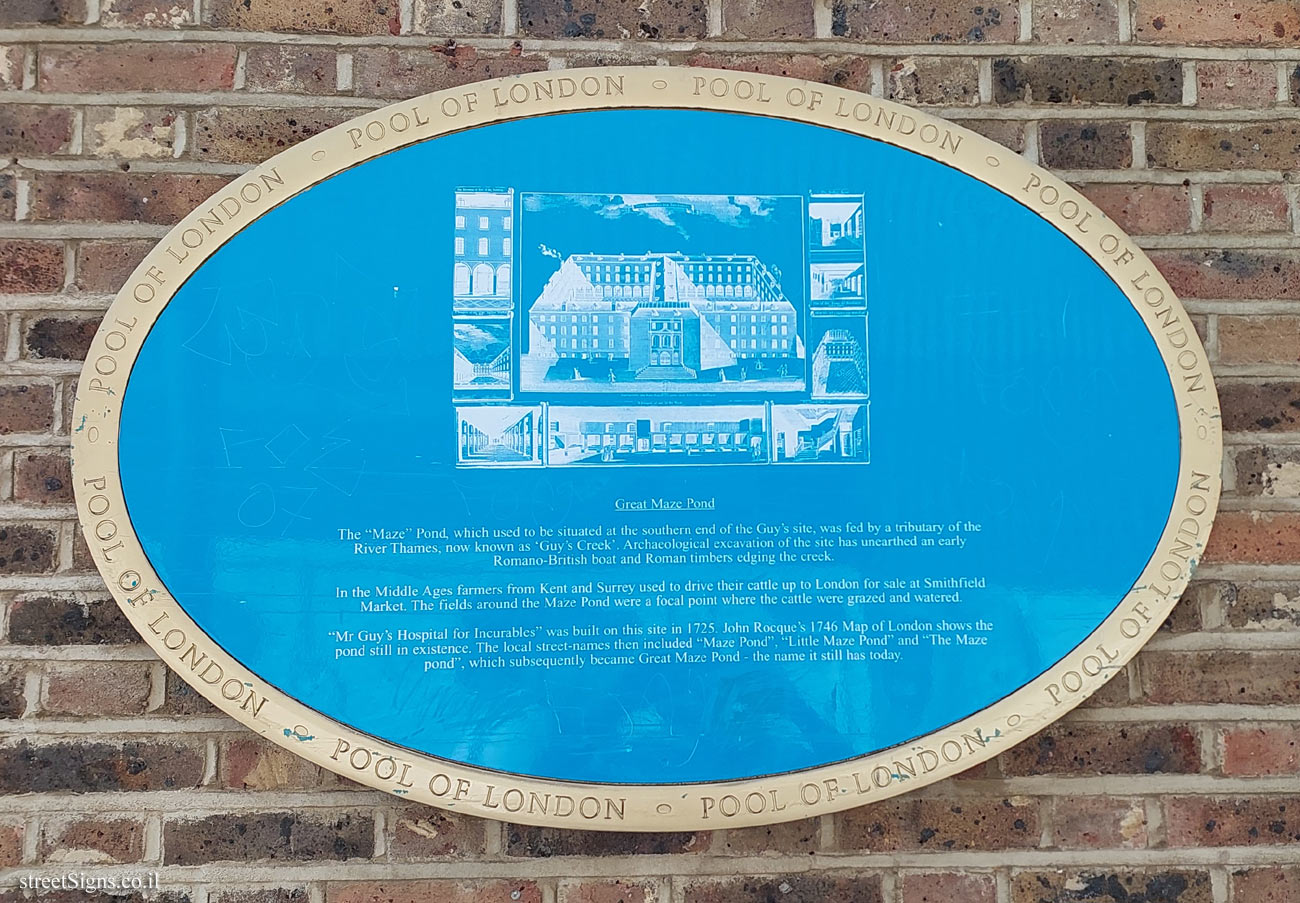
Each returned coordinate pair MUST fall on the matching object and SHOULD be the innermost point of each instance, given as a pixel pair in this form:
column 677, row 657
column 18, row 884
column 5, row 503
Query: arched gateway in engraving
column 496, row 471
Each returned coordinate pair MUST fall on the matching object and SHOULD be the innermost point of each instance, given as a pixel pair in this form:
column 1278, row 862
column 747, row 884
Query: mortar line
column 1219, row 884
column 822, row 18
column 91, row 35
column 1125, row 22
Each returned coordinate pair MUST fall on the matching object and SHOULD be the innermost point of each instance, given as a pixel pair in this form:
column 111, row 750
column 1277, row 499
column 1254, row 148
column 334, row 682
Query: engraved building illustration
column 666, row 316
column 657, row 435
column 482, row 295
column 839, row 364
column 483, row 250
column 836, row 249
column 659, row 329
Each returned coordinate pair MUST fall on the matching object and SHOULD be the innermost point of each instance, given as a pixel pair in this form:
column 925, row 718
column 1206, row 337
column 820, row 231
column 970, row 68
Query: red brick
column 1098, row 823
column 60, row 338
column 26, row 408
column 851, row 72
column 1190, row 146
column 97, row 688
column 1110, row 886
column 93, row 766
column 68, row 620
column 1271, row 471
column 1254, row 340
column 1008, row 133
column 456, row 17
column 911, row 823
column 1253, row 750
column 1222, row 676
column 1262, row 606
column 1090, row 79
column 1186, row 616
column 1239, row 22
column 104, row 265
column 1112, row 693
column 1236, row 83
column 1076, row 22
column 1144, row 209
column 27, row 549
column 255, row 895
column 291, row 68
column 146, row 13
column 82, row 560
column 87, row 839
column 1255, row 537
column 8, row 197
column 1245, row 821
column 31, row 130
column 42, row 477
column 42, row 12
column 1266, row 885
column 13, row 63
column 949, row 887
column 423, row 833
column 784, row 838
column 1271, row 407
column 251, row 763
column 13, row 690
column 596, row 891
column 11, row 844
column 1265, row 275
column 835, row 887
column 356, row 17
column 30, row 266
column 152, row 66
column 252, row 134
column 280, row 836
column 180, row 698
column 943, row 21
column 132, row 132
column 393, row 72
column 529, row 840
column 1074, row 145
column 108, row 197
column 1245, row 208
column 429, row 890
column 670, row 20
column 758, row 19
column 1087, row 748
column 934, row 80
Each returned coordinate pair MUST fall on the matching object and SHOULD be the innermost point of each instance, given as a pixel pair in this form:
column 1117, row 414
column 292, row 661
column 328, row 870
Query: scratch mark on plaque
column 288, row 732
column 81, row 426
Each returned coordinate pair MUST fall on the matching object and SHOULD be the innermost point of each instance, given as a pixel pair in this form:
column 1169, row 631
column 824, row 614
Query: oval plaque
column 711, row 450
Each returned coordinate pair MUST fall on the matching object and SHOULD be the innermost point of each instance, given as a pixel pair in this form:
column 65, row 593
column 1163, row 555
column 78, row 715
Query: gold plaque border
column 183, row 645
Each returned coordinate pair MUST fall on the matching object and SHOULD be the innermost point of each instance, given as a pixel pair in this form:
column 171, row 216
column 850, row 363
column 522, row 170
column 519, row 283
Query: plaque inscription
column 502, row 450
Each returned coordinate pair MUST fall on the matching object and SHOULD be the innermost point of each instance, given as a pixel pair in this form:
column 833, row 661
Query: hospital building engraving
column 736, row 333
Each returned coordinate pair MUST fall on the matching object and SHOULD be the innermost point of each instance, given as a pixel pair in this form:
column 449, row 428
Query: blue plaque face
column 627, row 448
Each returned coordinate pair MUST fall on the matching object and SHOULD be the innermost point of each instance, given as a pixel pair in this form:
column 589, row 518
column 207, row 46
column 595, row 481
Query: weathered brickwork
column 1178, row 783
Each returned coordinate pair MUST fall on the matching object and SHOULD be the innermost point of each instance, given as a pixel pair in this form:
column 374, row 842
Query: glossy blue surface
column 301, row 382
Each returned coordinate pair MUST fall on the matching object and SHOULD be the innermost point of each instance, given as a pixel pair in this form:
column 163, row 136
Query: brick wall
column 1179, row 782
